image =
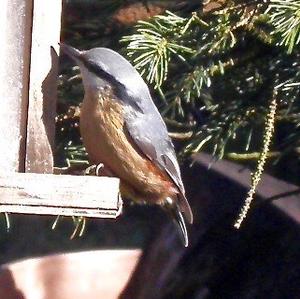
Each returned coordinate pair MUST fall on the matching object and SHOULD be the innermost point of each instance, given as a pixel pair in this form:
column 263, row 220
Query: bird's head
column 103, row 68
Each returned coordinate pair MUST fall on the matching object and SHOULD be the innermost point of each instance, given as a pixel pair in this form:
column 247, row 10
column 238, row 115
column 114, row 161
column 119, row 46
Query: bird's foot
column 98, row 170
column 94, row 169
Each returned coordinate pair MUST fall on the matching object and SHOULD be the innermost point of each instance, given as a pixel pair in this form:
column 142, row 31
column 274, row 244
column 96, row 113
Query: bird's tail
column 174, row 211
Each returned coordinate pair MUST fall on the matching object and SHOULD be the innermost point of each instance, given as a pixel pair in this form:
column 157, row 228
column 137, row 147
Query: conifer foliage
column 222, row 73
column 217, row 69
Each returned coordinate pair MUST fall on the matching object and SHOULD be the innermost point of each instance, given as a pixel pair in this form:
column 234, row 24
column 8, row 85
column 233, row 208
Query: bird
column 122, row 129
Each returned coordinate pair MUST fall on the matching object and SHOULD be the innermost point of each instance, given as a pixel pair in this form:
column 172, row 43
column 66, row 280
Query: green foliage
column 217, row 72
column 213, row 71
column 285, row 17
column 150, row 48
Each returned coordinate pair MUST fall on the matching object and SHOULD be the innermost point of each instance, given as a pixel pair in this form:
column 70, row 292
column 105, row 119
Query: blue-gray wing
column 148, row 130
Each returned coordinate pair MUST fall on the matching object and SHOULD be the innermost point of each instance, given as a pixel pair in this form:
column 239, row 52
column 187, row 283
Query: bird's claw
column 94, row 169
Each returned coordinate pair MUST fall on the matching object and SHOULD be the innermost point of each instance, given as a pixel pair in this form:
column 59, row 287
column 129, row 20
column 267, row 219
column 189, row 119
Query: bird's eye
column 106, row 88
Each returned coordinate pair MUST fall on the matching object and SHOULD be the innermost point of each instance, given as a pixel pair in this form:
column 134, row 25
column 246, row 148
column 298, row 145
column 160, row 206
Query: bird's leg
column 93, row 169
column 98, row 170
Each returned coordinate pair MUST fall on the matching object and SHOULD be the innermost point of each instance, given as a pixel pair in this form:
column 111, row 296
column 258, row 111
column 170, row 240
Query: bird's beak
column 73, row 53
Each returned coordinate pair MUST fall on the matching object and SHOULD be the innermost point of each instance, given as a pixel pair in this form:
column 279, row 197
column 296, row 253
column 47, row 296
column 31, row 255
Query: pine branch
column 152, row 46
column 285, row 17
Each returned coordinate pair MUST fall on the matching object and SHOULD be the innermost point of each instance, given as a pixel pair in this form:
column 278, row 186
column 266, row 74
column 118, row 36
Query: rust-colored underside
column 106, row 141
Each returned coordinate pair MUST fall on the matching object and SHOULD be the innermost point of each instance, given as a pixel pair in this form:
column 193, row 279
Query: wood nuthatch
column 122, row 128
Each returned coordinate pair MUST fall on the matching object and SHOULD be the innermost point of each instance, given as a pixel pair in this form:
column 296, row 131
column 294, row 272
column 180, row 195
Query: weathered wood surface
column 43, row 90
column 15, row 43
column 88, row 196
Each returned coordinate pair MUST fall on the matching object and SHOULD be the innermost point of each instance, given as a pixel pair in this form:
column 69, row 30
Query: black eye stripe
column 119, row 89
column 94, row 68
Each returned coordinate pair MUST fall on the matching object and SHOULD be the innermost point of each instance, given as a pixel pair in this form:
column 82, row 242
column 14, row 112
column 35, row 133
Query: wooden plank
column 43, row 89
column 15, row 41
column 30, row 193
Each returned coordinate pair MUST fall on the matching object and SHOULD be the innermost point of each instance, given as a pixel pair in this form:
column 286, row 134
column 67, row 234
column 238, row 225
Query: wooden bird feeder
column 30, row 33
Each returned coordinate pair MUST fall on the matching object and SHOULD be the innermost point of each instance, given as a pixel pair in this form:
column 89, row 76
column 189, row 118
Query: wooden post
column 43, row 89
column 15, row 42
column 30, row 32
